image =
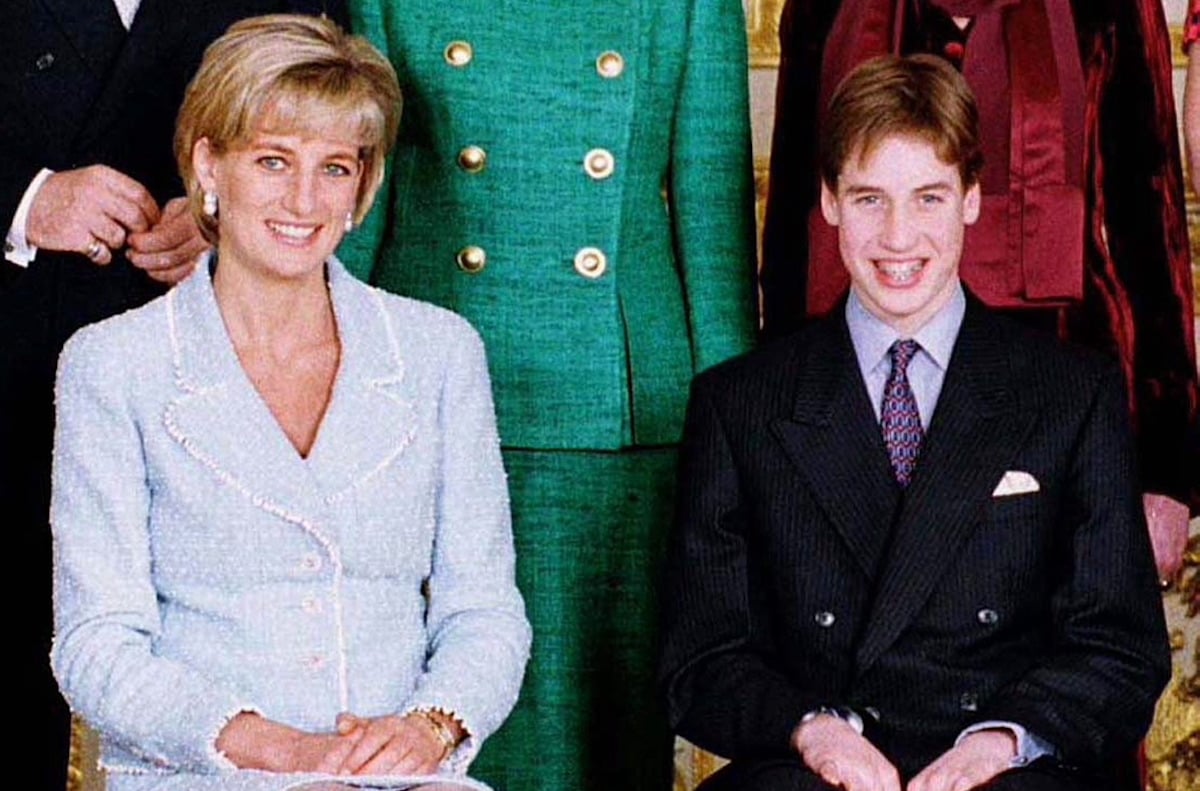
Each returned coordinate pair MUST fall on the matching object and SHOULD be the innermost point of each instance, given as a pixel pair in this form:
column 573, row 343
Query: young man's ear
column 829, row 207
column 971, row 204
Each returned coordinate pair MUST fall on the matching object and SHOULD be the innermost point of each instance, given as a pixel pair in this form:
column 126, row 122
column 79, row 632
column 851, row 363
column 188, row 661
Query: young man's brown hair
column 919, row 95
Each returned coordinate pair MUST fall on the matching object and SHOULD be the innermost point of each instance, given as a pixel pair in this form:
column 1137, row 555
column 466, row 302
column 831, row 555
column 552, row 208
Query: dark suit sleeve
column 1093, row 696
column 723, row 692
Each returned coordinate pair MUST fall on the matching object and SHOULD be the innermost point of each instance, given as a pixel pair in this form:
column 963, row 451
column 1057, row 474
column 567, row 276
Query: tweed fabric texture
column 589, row 528
column 898, row 416
column 577, row 363
column 203, row 568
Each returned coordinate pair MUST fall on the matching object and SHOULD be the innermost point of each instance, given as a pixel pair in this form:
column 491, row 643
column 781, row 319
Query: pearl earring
column 349, row 221
column 210, row 203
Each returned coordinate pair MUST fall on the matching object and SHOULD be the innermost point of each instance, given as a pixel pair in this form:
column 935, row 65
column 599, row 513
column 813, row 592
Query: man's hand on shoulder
column 168, row 251
column 971, row 763
column 89, row 210
column 842, row 757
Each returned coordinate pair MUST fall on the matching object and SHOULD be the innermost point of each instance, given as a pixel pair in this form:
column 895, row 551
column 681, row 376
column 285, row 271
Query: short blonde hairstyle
column 288, row 73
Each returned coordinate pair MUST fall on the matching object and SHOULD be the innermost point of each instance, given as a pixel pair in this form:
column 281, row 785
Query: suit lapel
column 136, row 52
column 835, row 443
column 221, row 421
column 94, row 29
column 372, row 416
column 974, row 435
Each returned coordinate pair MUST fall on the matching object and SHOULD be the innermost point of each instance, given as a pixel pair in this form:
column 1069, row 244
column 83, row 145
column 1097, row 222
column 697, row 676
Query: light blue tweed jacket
column 203, row 568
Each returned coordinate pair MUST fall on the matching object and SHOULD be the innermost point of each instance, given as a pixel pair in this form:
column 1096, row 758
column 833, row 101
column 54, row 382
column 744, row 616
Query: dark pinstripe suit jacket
column 801, row 576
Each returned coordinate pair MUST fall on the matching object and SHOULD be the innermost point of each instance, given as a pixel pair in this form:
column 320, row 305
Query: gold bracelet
column 440, row 731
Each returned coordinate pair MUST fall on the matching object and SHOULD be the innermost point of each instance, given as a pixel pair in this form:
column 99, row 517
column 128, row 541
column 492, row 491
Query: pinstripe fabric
column 798, row 578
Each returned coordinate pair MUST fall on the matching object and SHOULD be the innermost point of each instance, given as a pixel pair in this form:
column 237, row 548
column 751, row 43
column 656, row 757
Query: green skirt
column 590, row 530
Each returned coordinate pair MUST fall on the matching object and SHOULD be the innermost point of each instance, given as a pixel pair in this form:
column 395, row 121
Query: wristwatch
column 843, row 713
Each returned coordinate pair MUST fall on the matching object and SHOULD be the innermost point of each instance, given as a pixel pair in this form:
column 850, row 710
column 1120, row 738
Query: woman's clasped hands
column 408, row 745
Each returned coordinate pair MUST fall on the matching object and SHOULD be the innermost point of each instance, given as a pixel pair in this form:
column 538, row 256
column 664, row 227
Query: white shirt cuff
column 17, row 248
column 1030, row 746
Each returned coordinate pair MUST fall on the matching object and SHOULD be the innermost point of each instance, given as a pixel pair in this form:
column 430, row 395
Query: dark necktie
column 899, row 418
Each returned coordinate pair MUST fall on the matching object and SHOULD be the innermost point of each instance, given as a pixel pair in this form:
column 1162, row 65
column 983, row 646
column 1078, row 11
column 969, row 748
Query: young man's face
column 900, row 214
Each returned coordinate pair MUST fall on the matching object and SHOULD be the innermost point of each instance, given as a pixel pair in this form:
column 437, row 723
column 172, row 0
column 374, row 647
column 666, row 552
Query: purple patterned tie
column 899, row 418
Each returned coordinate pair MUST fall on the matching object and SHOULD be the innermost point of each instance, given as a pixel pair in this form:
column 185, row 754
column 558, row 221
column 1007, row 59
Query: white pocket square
column 1015, row 482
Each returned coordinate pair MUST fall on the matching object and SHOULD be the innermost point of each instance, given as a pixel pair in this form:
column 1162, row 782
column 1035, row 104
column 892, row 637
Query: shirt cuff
column 1030, row 746
column 17, row 248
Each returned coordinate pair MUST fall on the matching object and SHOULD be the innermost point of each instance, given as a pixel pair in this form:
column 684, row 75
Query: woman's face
column 284, row 199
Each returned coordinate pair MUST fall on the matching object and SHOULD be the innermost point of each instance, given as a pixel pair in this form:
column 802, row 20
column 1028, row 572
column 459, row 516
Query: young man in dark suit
column 94, row 224
column 910, row 551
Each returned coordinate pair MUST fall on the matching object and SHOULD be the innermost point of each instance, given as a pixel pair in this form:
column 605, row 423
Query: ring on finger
column 95, row 250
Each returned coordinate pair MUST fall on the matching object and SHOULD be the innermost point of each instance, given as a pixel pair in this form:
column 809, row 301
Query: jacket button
column 459, row 53
column 315, row 662
column 472, row 159
column 310, row 605
column 610, row 65
column 968, row 702
column 824, row 619
column 310, row 562
column 471, row 259
column 590, row 262
column 987, row 616
column 44, row 61
column 599, row 163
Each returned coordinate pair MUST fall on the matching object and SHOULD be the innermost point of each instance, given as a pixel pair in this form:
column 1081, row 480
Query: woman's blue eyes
column 279, row 164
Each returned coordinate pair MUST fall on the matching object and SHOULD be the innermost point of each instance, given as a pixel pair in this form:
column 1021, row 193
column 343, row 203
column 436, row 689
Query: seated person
column 910, row 551
column 281, row 526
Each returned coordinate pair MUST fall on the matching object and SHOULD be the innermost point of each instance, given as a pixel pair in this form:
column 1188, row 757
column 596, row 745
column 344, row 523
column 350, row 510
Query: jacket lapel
column 94, row 29
column 135, row 53
column 835, row 443
column 974, row 435
column 221, row 421
column 372, row 417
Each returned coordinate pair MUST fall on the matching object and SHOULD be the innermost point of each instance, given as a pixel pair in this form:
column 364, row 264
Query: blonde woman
column 281, row 527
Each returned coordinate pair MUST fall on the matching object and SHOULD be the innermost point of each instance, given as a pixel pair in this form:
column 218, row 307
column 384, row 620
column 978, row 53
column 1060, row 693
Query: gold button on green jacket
column 510, row 109
column 575, row 179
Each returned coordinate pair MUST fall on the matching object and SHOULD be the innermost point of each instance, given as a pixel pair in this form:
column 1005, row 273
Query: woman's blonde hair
column 288, row 73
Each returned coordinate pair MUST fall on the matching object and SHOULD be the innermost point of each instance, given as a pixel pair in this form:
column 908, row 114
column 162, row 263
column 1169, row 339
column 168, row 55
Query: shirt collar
column 872, row 338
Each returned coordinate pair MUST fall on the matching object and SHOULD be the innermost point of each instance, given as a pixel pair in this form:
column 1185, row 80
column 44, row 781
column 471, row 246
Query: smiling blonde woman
column 282, row 540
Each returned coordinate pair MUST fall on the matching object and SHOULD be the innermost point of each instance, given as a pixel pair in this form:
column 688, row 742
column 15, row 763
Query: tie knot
column 901, row 353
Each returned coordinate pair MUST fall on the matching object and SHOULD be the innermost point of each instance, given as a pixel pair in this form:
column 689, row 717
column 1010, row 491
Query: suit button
column 472, row 159
column 459, row 53
column 824, row 619
column 968, row 702
column 44, row 61
column 610, row 65
column 471, row 259
column 590, row 262
column 310, row 562
column 987, row 616
column 310, row 605
column 599, row 163
column 315, row 662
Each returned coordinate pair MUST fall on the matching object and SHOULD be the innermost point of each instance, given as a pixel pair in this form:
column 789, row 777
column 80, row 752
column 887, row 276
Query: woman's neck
column 275, row 316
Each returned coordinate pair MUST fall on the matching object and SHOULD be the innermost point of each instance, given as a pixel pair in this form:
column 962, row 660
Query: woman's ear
column 204, row 164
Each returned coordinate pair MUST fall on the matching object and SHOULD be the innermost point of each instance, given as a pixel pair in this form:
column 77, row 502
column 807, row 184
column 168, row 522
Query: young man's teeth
column 901, row 273
column 292, row 231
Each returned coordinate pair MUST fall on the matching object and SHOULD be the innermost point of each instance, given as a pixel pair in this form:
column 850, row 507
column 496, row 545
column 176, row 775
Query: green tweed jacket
column 575, row 179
